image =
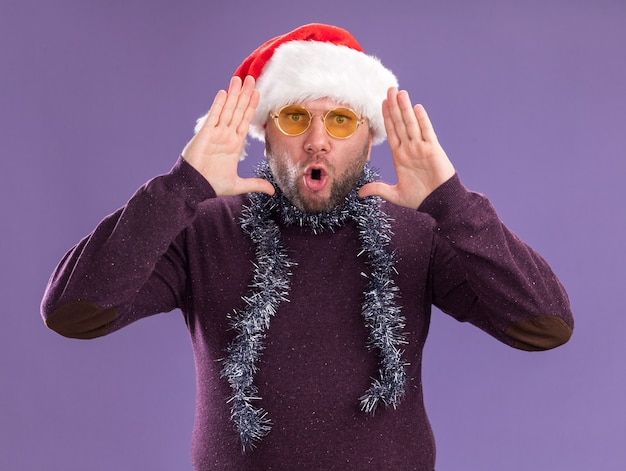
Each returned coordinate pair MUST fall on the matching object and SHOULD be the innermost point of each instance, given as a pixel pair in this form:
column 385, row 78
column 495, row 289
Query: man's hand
column 215, row 149
column 420, row 162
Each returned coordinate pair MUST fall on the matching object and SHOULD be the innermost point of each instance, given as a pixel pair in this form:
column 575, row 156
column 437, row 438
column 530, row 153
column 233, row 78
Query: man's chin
column 315, row 204
column 315, row 207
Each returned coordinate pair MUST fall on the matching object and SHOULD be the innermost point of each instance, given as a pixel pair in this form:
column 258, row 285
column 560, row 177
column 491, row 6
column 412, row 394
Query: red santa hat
column 317, row 61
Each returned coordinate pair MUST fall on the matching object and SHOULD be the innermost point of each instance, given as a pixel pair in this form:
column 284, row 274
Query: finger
column 232, row 98
column 248, row 115
column 255, row 185
column 213, row 116
column 246, row 106
column 248, row 83
column 384, row 190
column 392, row 106
column 408, row 116
column 392, row 137
column 396, row 114
column 426, row 127
column 235, row 85
column 244, row 95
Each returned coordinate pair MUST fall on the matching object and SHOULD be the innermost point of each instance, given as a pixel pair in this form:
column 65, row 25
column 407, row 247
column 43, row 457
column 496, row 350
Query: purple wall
column 529, row 101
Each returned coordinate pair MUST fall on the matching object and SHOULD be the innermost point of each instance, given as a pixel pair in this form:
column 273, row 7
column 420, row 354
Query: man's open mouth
column 315, row 179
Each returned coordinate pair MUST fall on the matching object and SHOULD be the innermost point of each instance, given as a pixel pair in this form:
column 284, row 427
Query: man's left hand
column 420, row 162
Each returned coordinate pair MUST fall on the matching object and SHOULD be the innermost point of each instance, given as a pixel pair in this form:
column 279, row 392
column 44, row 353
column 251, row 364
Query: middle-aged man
column 307, row 290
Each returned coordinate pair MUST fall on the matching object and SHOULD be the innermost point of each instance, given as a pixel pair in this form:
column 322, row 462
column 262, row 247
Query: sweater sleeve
column 484, row 274
column 132, row 265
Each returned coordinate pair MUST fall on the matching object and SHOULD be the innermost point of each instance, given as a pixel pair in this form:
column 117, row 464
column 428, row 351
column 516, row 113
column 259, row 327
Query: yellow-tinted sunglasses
column 293, row 120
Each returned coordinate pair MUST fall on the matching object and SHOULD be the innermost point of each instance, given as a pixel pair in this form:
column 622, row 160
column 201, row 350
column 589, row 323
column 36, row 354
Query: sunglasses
column 293, row 120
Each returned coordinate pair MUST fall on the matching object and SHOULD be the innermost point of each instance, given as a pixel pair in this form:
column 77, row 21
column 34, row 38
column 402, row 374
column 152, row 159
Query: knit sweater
column 176, row 245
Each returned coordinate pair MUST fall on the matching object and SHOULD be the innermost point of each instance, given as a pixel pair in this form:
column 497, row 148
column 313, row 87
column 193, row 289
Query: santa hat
column 317, row 61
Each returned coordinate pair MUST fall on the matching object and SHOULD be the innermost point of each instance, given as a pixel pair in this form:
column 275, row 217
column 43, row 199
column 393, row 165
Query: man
column 307, row 290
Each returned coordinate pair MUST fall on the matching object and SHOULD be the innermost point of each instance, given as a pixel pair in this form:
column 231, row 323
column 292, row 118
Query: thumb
column 384, row 190
column 256, row 185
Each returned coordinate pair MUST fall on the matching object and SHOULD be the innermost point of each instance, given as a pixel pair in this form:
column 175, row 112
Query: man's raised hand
column 420, row 162
column 215, row 149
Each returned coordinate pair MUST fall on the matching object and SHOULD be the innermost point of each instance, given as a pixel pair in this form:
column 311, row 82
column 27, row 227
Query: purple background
column 528, row 98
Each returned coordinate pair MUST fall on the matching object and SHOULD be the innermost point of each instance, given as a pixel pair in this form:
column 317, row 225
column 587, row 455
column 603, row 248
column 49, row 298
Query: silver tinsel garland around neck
column 271, row 284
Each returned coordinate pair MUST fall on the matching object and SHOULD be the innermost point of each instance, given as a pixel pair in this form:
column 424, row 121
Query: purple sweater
column 176, row 245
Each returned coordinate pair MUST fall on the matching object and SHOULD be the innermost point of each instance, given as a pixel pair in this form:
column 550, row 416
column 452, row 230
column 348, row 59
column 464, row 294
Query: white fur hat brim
column 307, row 70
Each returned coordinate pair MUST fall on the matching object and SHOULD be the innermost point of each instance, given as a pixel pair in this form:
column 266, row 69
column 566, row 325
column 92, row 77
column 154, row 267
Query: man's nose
column 316, row 138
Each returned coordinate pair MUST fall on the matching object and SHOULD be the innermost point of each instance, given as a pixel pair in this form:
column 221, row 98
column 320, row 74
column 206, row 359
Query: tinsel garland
column 271, row 284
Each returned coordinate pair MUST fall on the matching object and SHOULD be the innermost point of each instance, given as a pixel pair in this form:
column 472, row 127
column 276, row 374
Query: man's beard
column 287, row 175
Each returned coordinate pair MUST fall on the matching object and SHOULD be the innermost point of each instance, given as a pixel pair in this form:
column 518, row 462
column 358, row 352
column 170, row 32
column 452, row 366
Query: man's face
column 314, row 170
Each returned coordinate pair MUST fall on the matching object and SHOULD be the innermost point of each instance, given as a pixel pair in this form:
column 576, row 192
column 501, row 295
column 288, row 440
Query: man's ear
column 265, row 141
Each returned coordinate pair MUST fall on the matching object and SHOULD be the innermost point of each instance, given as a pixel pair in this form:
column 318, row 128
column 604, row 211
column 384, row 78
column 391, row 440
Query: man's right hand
column 215, row 149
